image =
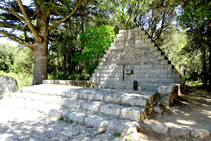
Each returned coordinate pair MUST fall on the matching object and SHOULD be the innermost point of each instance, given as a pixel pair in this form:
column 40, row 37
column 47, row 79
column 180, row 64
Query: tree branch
column 37, row 8
column 31, row 26
column 19, row 27
column 14, row 13
column 67, row 17
column 16, row 39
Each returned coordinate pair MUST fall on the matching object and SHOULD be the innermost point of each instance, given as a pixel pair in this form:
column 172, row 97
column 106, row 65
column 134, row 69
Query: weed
column 61, row 118
column 9, row 95
column 69, row 121
column 116, row 134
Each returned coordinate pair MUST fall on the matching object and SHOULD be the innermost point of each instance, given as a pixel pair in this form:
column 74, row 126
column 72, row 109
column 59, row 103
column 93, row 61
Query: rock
column 159, row 116
column 179, row 132
column 200, row 133
column 7, row 85
column 158, row 109
column 165, row 101
column 160, row 129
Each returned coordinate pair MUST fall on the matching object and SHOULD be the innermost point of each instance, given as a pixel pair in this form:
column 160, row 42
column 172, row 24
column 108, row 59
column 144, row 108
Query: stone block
column 161, row 57
column 164, row 62
column 120, row 44
column 160, row 129
column 122, row 31
column 73, row 103
column 122, row 126
column 77, row 117
column 120, row 35
column 150, row 44
column 158, row 66
column 144, row 36
column 153, row 80
column 149, row 40
column 164, row 71
column 139, row 42
column 97, row 121
column 154, row 48
column 132, row 113
column 160, row 75
column 200, row 133
column 115, row 98
column 141, row 45
column 110, row 109
column 138, row 37
column 142, row 32
column 158, row 109
column 138, row 29
column 141, row 80
column 92, row 106
column 169, row 75
column 134, row 100
column 147, row 66
column 153, row 70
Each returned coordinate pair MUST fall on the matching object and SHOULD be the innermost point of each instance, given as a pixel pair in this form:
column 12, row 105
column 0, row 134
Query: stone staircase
column 112, row 110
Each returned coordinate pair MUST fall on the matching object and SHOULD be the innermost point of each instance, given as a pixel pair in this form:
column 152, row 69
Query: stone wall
column 7, row 85
column 81, row 83
column 133, row 56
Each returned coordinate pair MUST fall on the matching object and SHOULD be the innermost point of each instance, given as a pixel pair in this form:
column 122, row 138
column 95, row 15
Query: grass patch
column 69, row 121
column 116, row 134
column 23, row 80
column 61, row 118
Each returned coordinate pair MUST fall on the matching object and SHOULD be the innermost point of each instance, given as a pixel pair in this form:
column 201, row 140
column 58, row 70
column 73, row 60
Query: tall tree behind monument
column 35, row 21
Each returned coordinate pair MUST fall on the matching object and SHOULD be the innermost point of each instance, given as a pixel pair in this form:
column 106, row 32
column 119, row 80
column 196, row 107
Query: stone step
column 95, row 107
column 116, row 96
column 81, row 117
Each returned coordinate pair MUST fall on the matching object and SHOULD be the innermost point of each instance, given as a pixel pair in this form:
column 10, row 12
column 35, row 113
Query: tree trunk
column 41, row 63
column 204, row 68
column 209, row 63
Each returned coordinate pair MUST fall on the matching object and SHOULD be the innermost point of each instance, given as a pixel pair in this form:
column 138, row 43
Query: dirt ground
column 190, row 111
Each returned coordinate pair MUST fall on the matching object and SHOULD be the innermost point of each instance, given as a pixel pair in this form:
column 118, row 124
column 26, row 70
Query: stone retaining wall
column 81, row 83
column 7, row 85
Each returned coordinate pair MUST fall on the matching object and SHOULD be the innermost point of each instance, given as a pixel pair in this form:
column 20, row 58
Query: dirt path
column 189, row 114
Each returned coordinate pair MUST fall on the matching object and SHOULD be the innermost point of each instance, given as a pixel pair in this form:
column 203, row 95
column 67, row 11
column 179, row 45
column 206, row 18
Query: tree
column 36, row 21
column 95, row 41
column 196, row 15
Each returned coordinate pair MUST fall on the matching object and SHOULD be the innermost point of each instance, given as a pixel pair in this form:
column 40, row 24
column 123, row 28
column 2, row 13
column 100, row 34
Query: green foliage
column 197, row 84
column 61, row 118
column 23, row 80
column 96, row 42
column 24, row 60
column 116, row 134
column 69, row 121
column 7, row 57
column 195, row 13
column 67, row 76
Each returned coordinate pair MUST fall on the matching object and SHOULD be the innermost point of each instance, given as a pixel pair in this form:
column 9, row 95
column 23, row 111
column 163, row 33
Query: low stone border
column 202, row 133
column 81, row 83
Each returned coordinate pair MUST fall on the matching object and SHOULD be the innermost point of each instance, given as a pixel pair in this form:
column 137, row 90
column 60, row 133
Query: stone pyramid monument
column 134, row 62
